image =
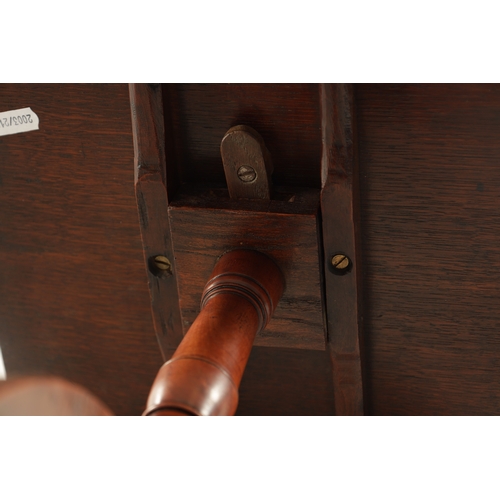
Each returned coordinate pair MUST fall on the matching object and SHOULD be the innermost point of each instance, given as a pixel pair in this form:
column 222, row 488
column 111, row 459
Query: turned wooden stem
column 204, row 374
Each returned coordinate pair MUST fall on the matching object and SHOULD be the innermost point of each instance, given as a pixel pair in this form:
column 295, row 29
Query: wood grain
column 74, row 298
column 282, row 381
column 201, row 235
column 339, row 209
column 430, row 191
column 152, row 203
column 287, row 116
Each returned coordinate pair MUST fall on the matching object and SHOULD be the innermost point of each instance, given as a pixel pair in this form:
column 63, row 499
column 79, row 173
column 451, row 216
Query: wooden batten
column 152, row 203
column 339, row 204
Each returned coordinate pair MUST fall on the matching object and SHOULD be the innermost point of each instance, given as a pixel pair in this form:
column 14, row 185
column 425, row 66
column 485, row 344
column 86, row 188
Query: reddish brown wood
column 152, row 203
column 281, row 381
column 201, row 234
column 75, row 300
column 339, row 206
column 247, row 164
column 204, row 374
column 430, row 198
column 285, row 226
column 74, row 296
column 287, row 116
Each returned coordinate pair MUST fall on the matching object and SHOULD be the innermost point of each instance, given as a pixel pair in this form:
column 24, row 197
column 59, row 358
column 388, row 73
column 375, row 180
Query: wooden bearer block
column 204, row 228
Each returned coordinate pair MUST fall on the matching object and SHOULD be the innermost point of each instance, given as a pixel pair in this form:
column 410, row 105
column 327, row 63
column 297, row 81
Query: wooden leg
column 204, row 374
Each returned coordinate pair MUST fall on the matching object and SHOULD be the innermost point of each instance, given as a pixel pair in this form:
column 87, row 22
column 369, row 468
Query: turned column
column 205, row 372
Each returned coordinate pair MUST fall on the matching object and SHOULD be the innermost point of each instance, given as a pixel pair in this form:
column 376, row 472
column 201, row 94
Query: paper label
column 17, row 121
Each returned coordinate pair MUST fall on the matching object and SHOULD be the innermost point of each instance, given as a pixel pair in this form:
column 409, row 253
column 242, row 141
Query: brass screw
column 162, row 263
column 246, row 173
column 340, row 261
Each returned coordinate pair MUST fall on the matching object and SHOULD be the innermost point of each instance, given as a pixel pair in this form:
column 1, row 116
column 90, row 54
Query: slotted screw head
column 162, row 263
column 340, row 261
column 246, row 173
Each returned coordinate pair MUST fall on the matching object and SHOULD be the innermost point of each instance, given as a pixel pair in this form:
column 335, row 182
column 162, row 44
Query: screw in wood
column 246, row 173
column 160, row 266
column 340, row 262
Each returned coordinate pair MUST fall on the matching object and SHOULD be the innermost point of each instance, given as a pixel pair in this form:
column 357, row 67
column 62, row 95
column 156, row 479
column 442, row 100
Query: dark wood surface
column 340, row 224
column 75, row 301
column 287, row 116
column 152, row 204
column 282, row 381
column 74, row 297
column 201, row 235
column 430, row 192
column 204, row 221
